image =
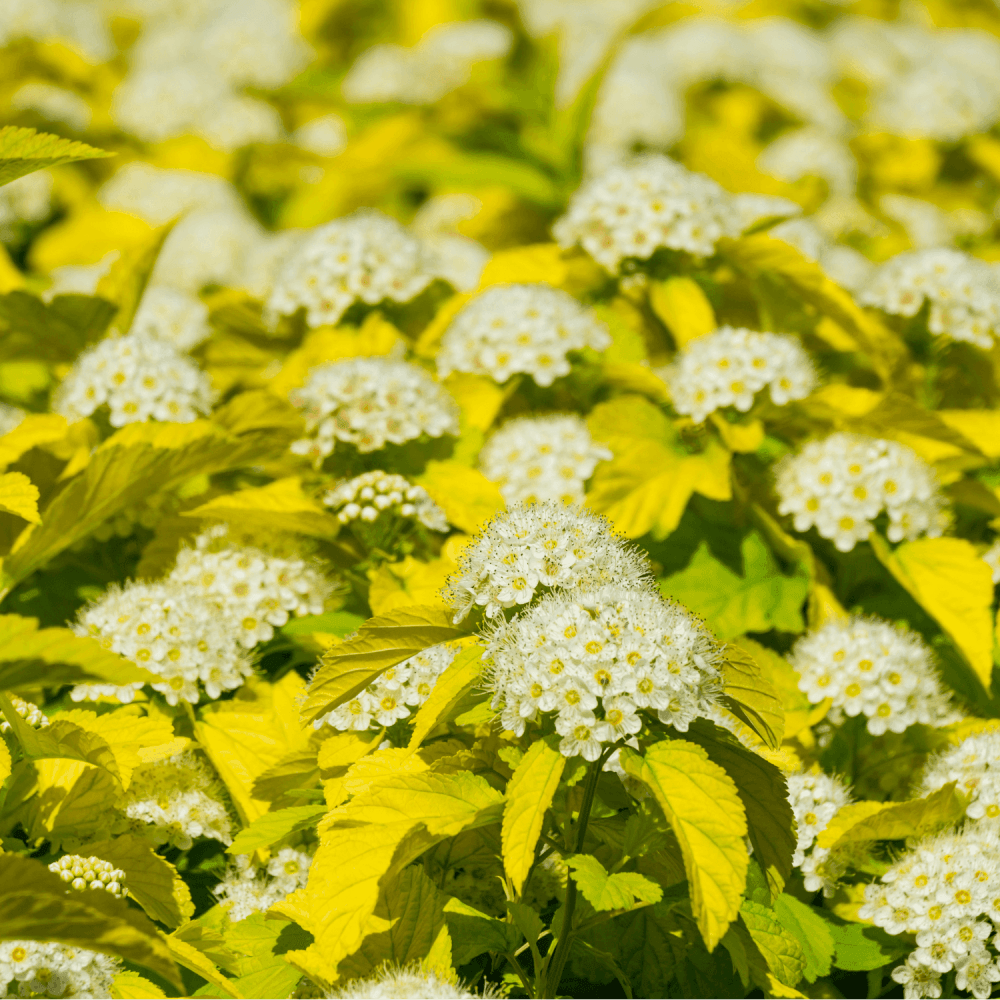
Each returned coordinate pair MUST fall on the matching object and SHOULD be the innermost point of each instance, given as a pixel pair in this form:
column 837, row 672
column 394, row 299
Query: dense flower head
column 371, row 402
column 974, row 765
column 872, row 668
column 28, row 711
column 945, row 890
column 363, row 257
column 405, row 983
column 90, row 873
column 963, row 293
column 531, row 546
column 730, row 366
column 170, row 630
column 48, row 969
column 253, row 588
column 815, row 798
column 632, row 210
column 373, row 494
column 519, row 328
column 395, row 691
column 176, row 800
column 172, row 315
column 247, row 889
column 615, row 650
column 841, row 483
column 139, row 377
column 542, row 458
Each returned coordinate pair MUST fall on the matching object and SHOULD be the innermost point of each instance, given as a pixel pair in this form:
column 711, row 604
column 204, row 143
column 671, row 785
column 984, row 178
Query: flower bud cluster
column 519, row 328
column 90, row 873
column 139, row 377
column 974, row 766
column 368, row 403
column 28, row 711
column 48, row 969
column 841, row 483
column 372, row 494
column 177, row 800
column 542, row 458
column 393, row 693
column 815, row 799
column 247, row 889
column 614, row 650
column 872, row 668
column 633, row 210
column 963, row 293
column 363, row 257
column 729, row 367
column 946, row 892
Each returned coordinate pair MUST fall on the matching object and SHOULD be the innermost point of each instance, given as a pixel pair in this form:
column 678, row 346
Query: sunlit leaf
column 23, row 151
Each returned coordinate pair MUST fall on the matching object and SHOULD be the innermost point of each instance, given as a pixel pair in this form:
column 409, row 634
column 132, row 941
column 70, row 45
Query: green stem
column 553, row 974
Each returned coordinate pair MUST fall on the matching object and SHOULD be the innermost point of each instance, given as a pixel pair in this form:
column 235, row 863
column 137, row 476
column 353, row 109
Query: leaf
column 152, row 881
column 260, row 970
column 131, row 986
column 953, row 585
column 981, row 427
column 23, row 151
column 761, row 600
column 191, row 958
column 537, row 262
column 460, row 677
column 860, row 948
column 126, row 280
column 776, row 671
column 19, row 495
column 279, row 506
column 381, row 642
column 5, row 762
column 683, row 307
column 751, row 697
column 529, row 795
column 274, row 826
column 466, row 496
column 781, row 950
column 35, row 904
column 703, row 807
column 343, row 749
column 36, row 429
column 338, row 623
column 365, row 843
column 813, row 933
column 473, row 932
column 407, row 582
column 610, row 892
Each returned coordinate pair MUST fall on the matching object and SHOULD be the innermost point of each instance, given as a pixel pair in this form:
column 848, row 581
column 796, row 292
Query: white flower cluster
column 615, row 649
column 815, row 799
column 872, row 668
column 370, row 402
column 177, row 800
column 539, row 545
column 172, row 315
column 440, row 62
column 57, row 104
column 974, row 765
column 90, row 873
column 946, row 891
column 730, row 366
column 393, row 693
column 169, row 629
column 28, row 711
column 363, row 257
column 963, row 293
column 519, row 328
column 139, row 377
column 457, row 258
column 992, row 559
column 814, row 152
column 372, row 494
column 249, row 589
column 632, row 210
column 245, row 889
column 542, row 458
column 392, row 983
column 47, row 969
column 841, row 483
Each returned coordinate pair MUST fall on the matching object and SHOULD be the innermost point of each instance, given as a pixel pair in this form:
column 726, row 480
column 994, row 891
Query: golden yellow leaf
column 19, row 495
column 981, row 427
column 739, row 437
column 478, row 397
column 10, row 276
column 460, row 676
column 429, row 342
column 5, row 763
column 36, row 429
column 683, row 307
column 540, row 262
column 408, row 582
column 85, row 237
column 633, row 377
column 195, row 960
column 467, row 497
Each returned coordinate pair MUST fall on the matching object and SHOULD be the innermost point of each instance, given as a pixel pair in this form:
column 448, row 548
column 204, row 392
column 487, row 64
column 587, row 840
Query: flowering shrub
column 499, row 499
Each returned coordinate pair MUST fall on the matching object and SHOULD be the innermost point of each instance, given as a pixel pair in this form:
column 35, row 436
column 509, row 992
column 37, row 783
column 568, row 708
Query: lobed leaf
column 610, row 892
column 23, row 151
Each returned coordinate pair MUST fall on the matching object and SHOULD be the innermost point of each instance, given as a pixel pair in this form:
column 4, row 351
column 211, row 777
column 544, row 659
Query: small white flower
column 246, row 889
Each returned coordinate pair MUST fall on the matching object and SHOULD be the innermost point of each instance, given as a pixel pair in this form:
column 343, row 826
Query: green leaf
column 751, row 697
column 760, row 600
column 35, row 904
column 860, row 948
column 131, row 986
column 702, row 805
column 126, row 280
column 19, row 496
column 461, row 675
column 23, row 151
column 381, row 642
column 339, row 623
column 781, row 950
column 260, row 972
column 274, row 826
column 192, row 958
column 57, row 330
column 610, row 892
column 813, row 933
column 473, row 932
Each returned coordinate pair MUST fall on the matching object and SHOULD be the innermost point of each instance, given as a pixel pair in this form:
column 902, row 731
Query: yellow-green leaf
column 461, row 675
column 529, row 795
column 126, row 280
column 382, row 642
column 610, row 892
column 131, row 986
column 343, row 749
column 467, row 497
column 703, row 807
column 19, row 495
column 781, row 950
column 5, row 762
column 539, row 262
column 195, row 960
column 954, row 586
column 683, row 307
column 751, row 697
column 274, row 826
column 36, row 429
column 23, row 151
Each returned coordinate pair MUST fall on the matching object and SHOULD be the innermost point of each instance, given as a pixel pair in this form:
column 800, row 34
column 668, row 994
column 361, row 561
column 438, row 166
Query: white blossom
column 48, row 969
column 815, row 799
column 247, row 889
column 974, row 765
column 172, row 315
column 57, row 104
column 394, row 983
column 323, row 136
column 992, row 559
column 373, row 494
